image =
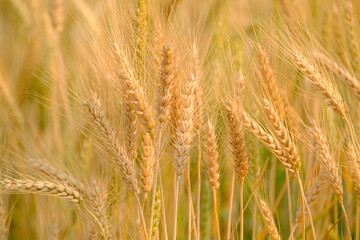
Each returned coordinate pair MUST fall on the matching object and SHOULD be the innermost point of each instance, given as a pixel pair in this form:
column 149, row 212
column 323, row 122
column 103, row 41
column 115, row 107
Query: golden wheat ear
column 135, row 91
column 41, row 187
column 329, row 91
column 122, row 161
column 268, row 219
column 340, row 73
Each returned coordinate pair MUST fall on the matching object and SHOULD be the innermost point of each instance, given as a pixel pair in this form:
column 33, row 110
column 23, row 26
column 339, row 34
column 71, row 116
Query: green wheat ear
column 157, row 214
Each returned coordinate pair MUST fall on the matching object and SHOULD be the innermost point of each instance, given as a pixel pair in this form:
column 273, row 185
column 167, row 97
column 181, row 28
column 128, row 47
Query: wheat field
column 179, row 119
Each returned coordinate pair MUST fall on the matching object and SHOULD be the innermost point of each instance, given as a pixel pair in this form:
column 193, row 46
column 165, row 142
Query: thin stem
column 289, row 200
column 357, row 233
column 117, row 203
column 303, row 207
column 241, row 209
column 176, row 205
column 141, row 215
column 199, row 183
column 128, row 198
column 191, row 206
column 230, row 206
column 216, row 214
column 254, row 223
column 163, row 207
column 187, row 176
column 345, row 215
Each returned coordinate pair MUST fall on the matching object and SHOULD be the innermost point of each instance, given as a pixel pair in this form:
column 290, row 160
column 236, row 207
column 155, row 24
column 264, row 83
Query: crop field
column 179, row 119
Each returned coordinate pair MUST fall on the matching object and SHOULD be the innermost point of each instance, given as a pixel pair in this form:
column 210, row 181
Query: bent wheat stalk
column 212, row 166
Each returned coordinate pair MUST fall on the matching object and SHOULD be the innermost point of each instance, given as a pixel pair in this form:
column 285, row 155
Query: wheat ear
column 268, row 220
column 147, row 165
column 330, row 92
column 272, row 144
column 353, row 166
column 130, row 128
column 269, row 78
column 141, row 26
column 126, row 167
column 353, row 46
column 341, row 73
column 41, row 187
column 58, row 175
column 98, row 200
column 165, row 83
column 236, row 126
column 135, row 91
column 283, row 135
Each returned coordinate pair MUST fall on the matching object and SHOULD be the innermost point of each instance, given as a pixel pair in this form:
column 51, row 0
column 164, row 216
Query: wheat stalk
column 3, row 216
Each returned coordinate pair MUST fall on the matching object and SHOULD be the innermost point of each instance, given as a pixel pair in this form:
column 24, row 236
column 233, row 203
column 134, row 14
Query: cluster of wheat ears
column 174, row 119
